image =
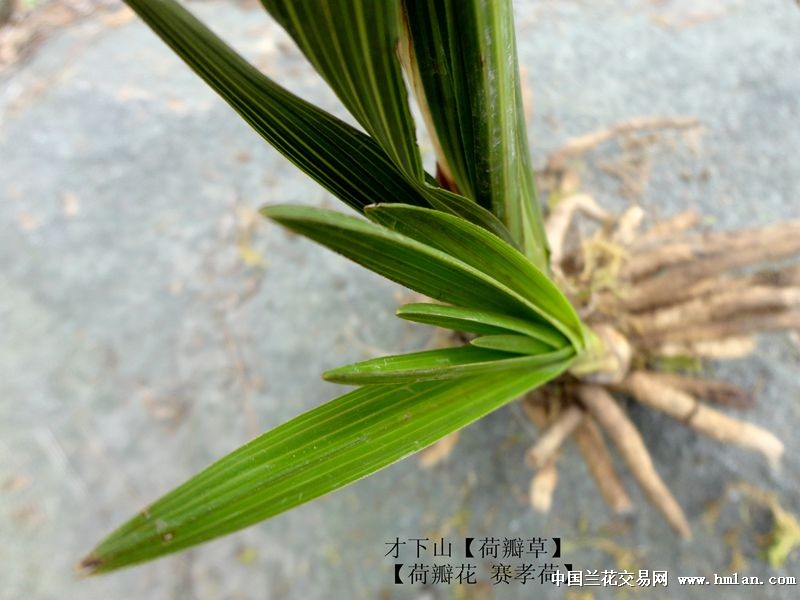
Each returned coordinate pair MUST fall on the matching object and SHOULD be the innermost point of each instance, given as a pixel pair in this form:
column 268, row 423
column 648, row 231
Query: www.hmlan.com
column 735, row 579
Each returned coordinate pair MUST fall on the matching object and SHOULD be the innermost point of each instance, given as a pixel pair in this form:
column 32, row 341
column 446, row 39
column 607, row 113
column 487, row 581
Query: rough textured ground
column 150, row 322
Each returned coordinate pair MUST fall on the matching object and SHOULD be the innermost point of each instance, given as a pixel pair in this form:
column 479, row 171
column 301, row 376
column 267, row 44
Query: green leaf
column 404, row 260
column 346, row 162
column 320, row 451
column 487, row 253
column 515, row 344
column 461, row 57
column 479, row 321
column 446, row 363
column 352, row 44
column 340, row 158
column 454, row 204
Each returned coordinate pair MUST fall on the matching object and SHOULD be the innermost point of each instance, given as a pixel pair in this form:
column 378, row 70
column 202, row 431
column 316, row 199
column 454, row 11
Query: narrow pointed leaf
column 352, row 44
column 346, row 162
column 487, row 253
column 446, row 363
column 515, row 344
column 462, row 59
column 340, row 158
column 403, row 259
column 320, row 451
column 479, row 321
column 454, row 204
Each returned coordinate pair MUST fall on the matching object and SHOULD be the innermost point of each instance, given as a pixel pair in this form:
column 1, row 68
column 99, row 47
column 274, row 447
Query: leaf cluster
column 470, row 238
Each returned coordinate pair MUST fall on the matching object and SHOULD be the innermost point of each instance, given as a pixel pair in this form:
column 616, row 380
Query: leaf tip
column 267, row 211
column 332, row 376
column 90, row 565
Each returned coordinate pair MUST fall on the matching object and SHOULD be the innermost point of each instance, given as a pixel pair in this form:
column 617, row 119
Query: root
column 578, row 146
column 633, row 451
column 627, row 225
column 788, row 276
column 535, row 407
column 708, row 245
column 710, row 390
column 716, row 307
column 560, row 219
column 598, row 459
column 726, row 348
column 543, row 486
column 667, row 292
column 554, row 436
column 707, row 260
column 685, row 408
column 667, row 229
column 439, row 451
column 746, row 324
column 776, row 278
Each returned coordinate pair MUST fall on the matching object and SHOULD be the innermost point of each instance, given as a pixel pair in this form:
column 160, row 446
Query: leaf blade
column 479, row 321
column 346, row 162
column 367, row 429
column 402, row 259
column 461, row 55
column 488, row 254
column 440, row 364
column 514, row 344
column 360, row 66
column 363, row 70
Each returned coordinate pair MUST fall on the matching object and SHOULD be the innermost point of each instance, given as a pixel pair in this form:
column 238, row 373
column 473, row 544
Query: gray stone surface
column 138, row 344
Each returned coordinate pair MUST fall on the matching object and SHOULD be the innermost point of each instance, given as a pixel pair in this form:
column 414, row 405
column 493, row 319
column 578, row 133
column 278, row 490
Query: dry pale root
column 633, row 451
column 544, row 455
column 717, row 307
column 721, row 349
column 543, row 483
column 668, row 229
column 554, row 436
column 439, row 451
column 718, row 392
column 745, row 324
column 744, row 243
column 543, row 486
column 666, row 291
column 685, row 408
column 577, row 146
column 560, row 219
column 628, row 225
column 686, row 265
column 595, row 453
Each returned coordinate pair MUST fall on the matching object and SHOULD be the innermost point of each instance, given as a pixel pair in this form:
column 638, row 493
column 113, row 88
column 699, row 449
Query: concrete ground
column 151, row 322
